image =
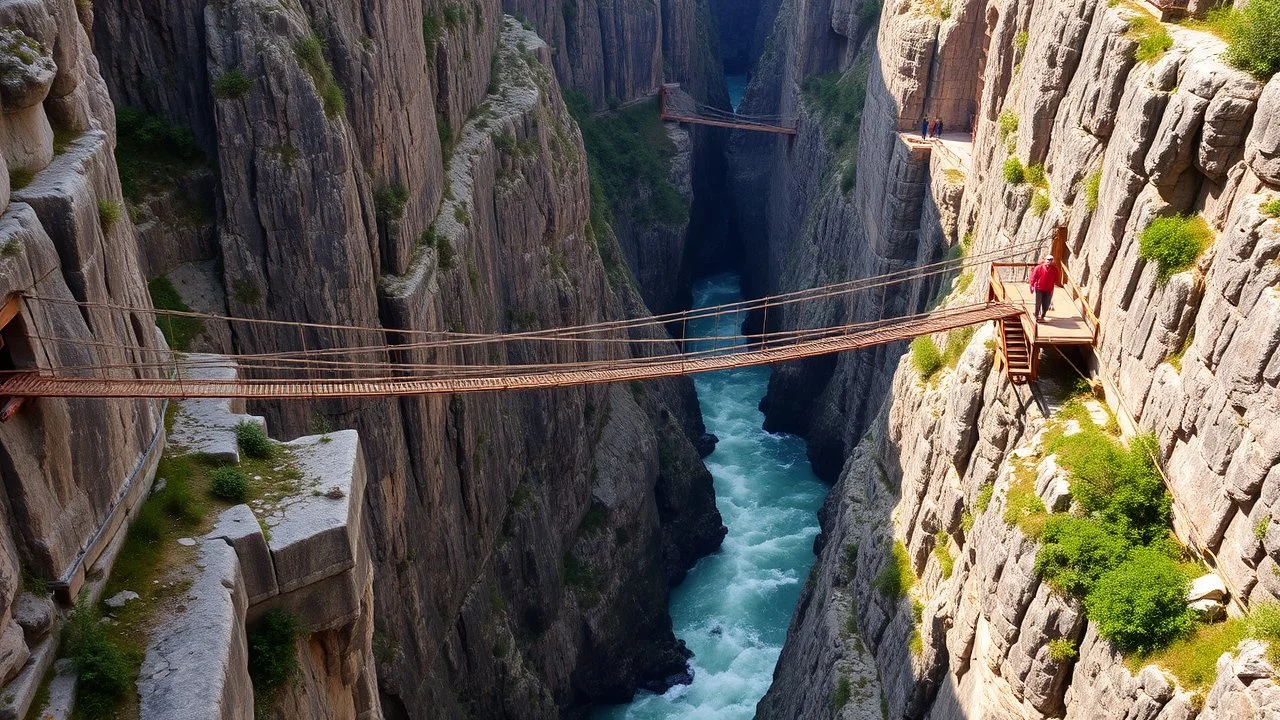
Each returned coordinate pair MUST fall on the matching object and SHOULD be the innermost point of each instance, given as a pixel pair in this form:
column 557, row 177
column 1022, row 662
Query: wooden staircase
column 1016, row 350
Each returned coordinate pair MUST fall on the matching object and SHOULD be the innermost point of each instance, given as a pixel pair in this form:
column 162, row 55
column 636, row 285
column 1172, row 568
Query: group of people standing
column 930, row 128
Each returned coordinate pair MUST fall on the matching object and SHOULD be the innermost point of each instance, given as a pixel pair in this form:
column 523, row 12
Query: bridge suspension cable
column 343, row 360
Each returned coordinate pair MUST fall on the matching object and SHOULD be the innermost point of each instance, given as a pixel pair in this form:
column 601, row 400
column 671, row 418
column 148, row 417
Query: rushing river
column 737, row 85
column 733, row 609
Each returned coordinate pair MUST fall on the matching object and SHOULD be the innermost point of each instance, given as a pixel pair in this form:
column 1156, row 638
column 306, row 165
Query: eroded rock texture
column 1184, row 133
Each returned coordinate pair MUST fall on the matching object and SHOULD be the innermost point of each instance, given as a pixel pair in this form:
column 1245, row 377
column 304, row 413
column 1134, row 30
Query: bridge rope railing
column 611, row 344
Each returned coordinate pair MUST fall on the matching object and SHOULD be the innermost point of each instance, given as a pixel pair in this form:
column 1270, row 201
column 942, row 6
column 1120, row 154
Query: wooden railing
column 997, row 286
column 1082, row 303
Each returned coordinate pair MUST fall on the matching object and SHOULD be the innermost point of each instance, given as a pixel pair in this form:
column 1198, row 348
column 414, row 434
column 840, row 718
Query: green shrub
column 1119, row 486
column 179, row 330
column 228, row 483
column 1271, row 208
column 1062, row 650
column 109, row 213
column 273, row 657
column 232, row 85
column 1075, row 552
column 102, row 667
column 1193, row 659
column 942, row 551
column 253, row 440
column 1253, row 37
column 432, row 29
column 896, row 579
column 1008, row 124
column 925, row 357
column 984, row 497
column 1174, row 243
column 1039, row 203
column 1036, row 175
column 1092, row 184
column 333, row 100
column 1013, row 172
column 1020, row 40
column 957, row 341
column 838, row 99
column 1140, row 605
column 841, row 693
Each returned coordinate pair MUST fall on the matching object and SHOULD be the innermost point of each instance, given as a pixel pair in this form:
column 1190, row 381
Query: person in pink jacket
column 1044, row 278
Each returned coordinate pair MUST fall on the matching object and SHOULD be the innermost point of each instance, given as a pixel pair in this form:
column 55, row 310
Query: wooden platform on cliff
column 1019, row 340
column 675, row 105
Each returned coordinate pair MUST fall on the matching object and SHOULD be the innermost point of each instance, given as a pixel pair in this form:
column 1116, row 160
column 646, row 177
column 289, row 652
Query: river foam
column 733, row 608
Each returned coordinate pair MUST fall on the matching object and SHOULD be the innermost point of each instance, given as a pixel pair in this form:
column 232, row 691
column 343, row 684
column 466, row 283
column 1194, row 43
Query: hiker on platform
column 937, row 128
column 924, row 128
column 933, row 128
column 1043, row 280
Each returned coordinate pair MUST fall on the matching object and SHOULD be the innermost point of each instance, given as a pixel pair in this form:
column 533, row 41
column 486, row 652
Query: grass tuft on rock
column 942, row 551
column 232, row 85
column 1062, row 650
column 253, row 441
column 897, row 578
column 1271, row 208
column 1152, row 37
column 1253, row 36
column 102, row 667
column 1092, row 184
column 1174, row 243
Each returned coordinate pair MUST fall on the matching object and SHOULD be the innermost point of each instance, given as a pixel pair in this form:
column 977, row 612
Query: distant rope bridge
column 341, row 361
column 675, row 105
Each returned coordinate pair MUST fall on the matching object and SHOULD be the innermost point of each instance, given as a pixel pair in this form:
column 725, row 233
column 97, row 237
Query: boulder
column 34, row 614
column 1208, row 610
column 1207, row 587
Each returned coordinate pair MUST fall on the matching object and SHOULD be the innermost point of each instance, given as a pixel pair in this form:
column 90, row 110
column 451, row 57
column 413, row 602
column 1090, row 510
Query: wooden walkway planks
column 33, row 385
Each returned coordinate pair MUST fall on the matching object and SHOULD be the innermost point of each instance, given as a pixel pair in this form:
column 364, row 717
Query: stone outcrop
column 450, row 195
column 1182, row 134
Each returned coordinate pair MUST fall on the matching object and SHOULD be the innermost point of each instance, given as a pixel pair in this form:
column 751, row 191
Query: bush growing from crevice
column 1119, row 486
column 309, row 52
column 1092, row 184
column 228, row 483
column 273, row 657
column 1040, row 203
column 1062, row 650
column 389, row 202
column 942, row 551
column 1036, row 175
column 253, row 441
column 838, row 99
column 841, row 694
column 1174, row 243
column 232, row 85
column 1076, row 551
column 1141, row 605
column 925, row 357
column 1013, row 172
column 1271, row 208
column 153, row 155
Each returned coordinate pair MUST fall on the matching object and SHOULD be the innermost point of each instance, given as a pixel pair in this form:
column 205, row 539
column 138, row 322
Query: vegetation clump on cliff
column 838, row 98
column 1252, row 34
column 629, row 155
column 153, row 154
column 925, row 357
column 1174, row 243
column 1152, row 37
column 1115, row 552
column 897, row 578
column 179, row 330
column 273, row 659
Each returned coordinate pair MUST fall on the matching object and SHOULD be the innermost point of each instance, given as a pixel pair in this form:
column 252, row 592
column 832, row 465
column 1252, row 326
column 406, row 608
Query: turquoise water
column 733, row 609
column 737, row 85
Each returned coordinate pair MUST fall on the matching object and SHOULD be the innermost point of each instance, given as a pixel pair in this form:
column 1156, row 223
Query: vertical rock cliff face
column 1184, row 133
column 72, row 470
column 406, row 166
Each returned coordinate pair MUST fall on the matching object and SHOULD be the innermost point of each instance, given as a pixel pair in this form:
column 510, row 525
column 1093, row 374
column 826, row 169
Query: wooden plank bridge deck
column 34, row 385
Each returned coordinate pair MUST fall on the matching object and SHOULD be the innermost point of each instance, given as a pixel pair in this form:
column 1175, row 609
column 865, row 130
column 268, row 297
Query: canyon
column 386, row 168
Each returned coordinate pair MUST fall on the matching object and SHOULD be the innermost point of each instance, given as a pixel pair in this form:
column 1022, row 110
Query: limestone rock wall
column 72, row 470
column 1182, row 134
column 407, row 166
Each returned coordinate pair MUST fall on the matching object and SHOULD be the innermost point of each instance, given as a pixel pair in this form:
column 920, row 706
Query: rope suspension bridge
column 345, row 361
column 675, row 105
